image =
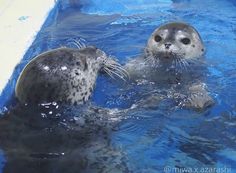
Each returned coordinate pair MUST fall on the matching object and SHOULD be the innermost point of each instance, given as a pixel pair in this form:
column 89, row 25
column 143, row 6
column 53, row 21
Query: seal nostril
column 167, row 45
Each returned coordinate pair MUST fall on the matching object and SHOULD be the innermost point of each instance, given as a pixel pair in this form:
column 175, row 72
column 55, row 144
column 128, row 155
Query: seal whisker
column 176, row 63
column 186, row 63
column 108, row 72
column 137, row 54
column 136, row 46
column 151, row 59
column 76, row 44
column 179, row 65
column 196, row 61
column 80, row 43
column 157, row 62
column 148, row 61
column 114, row 65
column 117, row 70
column 111, row 73
column 183, row 65
column 122, row 73
column 179, row 62
column 120, row 69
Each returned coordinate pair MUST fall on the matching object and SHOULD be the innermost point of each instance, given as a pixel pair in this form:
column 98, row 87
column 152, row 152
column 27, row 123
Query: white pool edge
column 20, row 23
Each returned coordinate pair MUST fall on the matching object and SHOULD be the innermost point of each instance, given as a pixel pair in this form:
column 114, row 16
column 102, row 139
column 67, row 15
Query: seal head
column 174, row 41
column 64, row 75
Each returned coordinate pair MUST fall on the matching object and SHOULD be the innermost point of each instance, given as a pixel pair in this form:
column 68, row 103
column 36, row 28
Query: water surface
column 150, row 139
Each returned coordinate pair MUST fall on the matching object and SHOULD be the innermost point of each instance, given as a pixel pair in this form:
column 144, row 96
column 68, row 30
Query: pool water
column 150, row 139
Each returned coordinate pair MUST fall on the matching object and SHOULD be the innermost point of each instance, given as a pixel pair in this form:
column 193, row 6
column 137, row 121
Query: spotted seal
column 173, row 56
column 174, row 40
column 64, row 75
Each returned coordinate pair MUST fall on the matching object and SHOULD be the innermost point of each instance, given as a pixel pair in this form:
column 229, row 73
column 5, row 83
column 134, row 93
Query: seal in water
column 64, row 75
column 174, row 40
column 173, row 53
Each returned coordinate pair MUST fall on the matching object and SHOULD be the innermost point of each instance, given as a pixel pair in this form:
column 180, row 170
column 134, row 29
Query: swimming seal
column 173, row 56
column 64, row 75
column 171, row 48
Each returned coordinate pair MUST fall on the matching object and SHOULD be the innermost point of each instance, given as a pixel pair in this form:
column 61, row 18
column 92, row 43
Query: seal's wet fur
column 63, row 75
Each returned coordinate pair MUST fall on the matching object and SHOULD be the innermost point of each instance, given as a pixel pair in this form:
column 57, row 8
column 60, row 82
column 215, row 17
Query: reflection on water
column 43, row 139
column 144, row 134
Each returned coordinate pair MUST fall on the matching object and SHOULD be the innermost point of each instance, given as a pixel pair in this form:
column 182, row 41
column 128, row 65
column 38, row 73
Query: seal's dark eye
column 185, row 41
column 157, row 38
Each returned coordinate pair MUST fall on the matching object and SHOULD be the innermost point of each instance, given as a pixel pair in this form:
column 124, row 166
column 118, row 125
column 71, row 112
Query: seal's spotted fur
column 63, row 75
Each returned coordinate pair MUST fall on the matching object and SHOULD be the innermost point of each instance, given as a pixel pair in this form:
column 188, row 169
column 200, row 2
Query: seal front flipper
column 198, row 97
